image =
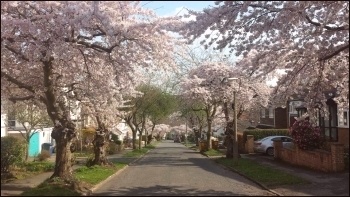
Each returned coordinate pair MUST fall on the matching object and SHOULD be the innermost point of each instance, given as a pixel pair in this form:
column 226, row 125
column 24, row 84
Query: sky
column 171, row 8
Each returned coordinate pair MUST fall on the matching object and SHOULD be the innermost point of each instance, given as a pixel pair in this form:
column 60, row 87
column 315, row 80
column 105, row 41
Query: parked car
column 265, row 145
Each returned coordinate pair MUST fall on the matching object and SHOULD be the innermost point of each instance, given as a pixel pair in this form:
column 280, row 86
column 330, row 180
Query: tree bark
column 229, row 140
column 100, row 144
column 63, row 136
column 209, row 145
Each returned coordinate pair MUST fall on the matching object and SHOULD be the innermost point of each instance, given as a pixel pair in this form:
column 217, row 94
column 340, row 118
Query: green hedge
column 261, row 133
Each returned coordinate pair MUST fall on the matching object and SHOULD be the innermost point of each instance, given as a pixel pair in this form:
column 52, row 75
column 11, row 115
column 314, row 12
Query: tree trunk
column 27, row 150
column 134, row 133
column 229, row 140
column 100, row 145
column 140, row 139
column 209, row 145
column 63, row 137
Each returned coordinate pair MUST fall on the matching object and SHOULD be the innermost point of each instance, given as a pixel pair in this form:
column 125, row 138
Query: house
column 335, row 129
column 122, row 130
column 280, row 117
column 3, row 118
column 3, row 125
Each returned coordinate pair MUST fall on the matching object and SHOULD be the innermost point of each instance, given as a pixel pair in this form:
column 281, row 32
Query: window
column 329, row 127
column 11, row 123
column 263, row 113
column 292, row 109
column 343, row 120
column 270, row 112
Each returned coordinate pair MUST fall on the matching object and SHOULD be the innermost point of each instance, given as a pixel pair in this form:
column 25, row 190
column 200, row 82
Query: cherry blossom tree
column 206, row 84
column 161, row 130
column 308, row 39
column 101, row 97
column 49, row 49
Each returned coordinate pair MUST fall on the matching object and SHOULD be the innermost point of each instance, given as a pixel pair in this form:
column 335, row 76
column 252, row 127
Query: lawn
column 95, row 174
column 27, row 169
column 139, row 152
column 85, row 177
column 266, row 175
column 213, row 152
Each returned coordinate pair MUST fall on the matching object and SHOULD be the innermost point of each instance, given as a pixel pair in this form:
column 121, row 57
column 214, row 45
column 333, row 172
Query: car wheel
column 270, row 151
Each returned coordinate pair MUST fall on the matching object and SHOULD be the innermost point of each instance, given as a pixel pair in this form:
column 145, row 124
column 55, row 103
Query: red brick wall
column 343, row 136
column 318, row 159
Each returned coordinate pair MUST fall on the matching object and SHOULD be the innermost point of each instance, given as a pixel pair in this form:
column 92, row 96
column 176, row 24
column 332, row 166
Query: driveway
column 171, row 169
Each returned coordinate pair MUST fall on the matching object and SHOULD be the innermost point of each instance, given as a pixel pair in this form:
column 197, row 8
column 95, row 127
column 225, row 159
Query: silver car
column 265, row 145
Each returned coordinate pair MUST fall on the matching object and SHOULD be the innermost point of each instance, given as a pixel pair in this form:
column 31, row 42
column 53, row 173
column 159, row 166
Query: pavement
column 321, row 184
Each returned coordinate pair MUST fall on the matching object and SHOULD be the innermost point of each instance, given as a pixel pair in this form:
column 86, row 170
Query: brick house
column 280, row 117
column 335, row 129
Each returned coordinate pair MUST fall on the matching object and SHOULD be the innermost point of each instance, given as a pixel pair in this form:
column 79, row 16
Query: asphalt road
column 171, row 169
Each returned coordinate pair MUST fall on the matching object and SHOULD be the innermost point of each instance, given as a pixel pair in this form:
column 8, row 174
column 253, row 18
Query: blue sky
column 170, row 8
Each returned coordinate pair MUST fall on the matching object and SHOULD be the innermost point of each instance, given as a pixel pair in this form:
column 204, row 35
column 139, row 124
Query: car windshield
column 265, row 138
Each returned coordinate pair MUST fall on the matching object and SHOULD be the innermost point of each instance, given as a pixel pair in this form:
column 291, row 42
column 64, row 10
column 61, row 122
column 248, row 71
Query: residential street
column 173, row 169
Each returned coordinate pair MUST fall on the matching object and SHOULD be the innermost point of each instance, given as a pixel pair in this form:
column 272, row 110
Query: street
column 171, row 169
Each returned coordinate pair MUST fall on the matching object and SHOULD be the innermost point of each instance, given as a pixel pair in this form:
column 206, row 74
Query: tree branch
column 16, row 82
column 334, row 53
column 16, row 52
column 14, row 99
column 340, row 28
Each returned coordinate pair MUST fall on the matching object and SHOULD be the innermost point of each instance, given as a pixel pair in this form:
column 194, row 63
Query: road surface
column 171, row 169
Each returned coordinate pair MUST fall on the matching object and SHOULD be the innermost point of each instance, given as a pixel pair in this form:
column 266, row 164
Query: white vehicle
column 265, row 145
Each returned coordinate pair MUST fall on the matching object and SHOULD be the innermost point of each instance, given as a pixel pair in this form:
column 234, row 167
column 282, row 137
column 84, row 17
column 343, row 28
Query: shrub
column 43, row 156
column 261, row 133
column 12, row 152
column 118, row 142
column 114, row 137
column 305, row 135
column 112, row 148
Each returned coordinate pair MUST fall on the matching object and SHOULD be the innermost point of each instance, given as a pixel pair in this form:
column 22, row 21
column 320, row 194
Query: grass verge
column 95, row 174
column 27, row 169
column 213, row 152
column 139, row 152
column 85, row 176
column 263, row 174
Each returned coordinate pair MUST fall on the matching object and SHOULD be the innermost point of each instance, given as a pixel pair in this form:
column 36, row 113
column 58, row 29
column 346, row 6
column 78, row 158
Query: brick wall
column 318, row 159
column 343, row 136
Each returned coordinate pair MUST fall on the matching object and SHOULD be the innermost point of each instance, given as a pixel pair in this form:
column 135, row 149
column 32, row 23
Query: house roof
column 117, row 131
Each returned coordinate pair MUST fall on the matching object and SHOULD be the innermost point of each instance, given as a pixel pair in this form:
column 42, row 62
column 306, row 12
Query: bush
column 261, row 133
column 118, row 142
column 43, row 156
column 114, row 137
column 305, row 135
column 12, row 152
column 112, row 148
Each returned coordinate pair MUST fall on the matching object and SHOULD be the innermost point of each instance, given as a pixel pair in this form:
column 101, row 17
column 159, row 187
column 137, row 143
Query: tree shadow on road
column 159, row 190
